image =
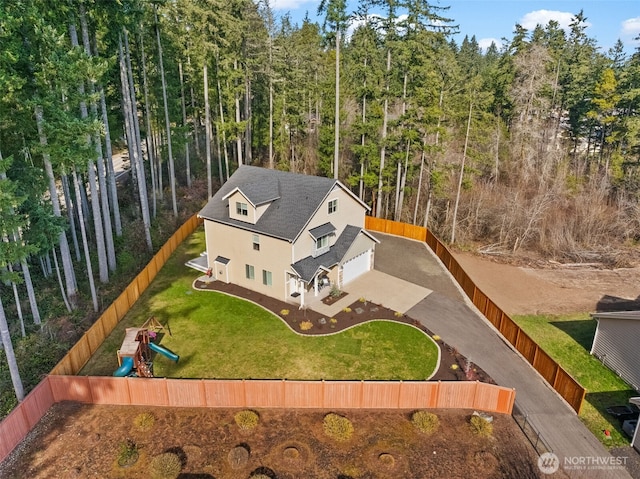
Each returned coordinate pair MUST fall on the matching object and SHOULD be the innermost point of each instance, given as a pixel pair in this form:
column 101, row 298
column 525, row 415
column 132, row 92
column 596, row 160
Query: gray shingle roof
column 322, row 230
column 299, row 198
column 261, row 192
column 309, row 266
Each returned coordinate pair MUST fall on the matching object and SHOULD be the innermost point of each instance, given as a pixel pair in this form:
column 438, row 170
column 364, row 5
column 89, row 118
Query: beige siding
column 360, row 245
column 237, row 245
column 616, row 345
column 349, row 212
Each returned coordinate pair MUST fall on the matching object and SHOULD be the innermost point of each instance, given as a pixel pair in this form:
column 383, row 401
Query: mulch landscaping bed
column 76, row 441
column 453, row 365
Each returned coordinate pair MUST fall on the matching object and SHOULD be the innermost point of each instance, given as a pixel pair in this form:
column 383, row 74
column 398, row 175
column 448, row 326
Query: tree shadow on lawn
column 581, row 331
column 604, row 399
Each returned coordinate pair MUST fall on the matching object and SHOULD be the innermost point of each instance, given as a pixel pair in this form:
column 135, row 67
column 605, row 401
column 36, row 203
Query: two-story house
column 286, row 235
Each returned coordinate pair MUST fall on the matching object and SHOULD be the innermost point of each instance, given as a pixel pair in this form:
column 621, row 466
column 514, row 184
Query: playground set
column 134, row 355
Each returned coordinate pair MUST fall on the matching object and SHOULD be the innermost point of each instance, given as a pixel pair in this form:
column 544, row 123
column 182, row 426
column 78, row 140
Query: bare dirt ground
column 82, row 441
column 553, row 288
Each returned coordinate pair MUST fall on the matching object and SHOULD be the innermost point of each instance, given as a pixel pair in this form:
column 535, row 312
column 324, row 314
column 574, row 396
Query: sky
column 493, row 20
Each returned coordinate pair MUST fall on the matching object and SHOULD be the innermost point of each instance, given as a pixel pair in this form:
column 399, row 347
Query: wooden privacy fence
column 80, row 353
column 556, row 376
column 160, row 392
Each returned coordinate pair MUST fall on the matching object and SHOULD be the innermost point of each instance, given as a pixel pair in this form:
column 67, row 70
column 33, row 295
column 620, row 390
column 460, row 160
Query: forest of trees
column 531, row 147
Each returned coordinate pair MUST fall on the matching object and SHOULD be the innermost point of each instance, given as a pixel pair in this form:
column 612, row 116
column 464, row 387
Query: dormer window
column 321, row 238
column 242, row 209
column 333, row 206
column 322, row 245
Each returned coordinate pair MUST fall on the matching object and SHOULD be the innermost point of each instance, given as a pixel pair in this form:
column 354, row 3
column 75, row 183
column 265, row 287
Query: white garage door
column 355, row 267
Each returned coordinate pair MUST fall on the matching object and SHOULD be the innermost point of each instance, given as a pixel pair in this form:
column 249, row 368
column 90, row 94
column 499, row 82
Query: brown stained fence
column 160, row 392
column 80, row 353
column 555, row 375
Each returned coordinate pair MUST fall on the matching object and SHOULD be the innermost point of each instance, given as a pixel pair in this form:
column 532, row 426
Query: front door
column 294, row 286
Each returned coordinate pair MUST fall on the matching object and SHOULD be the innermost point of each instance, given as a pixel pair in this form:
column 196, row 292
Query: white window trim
column 250, row 272
column 317, row 251
column 240, row 211
column 334, row 200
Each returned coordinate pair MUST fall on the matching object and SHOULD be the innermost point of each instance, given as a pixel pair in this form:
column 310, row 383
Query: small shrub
column 436, row 337
column 128, row 453
column 262, row 473
column 246, row 419
column 333, row 320
column 481, row 427
column 386, row 460
column 425, row 421
column 363, row 300
column 306, row 325
column 144, row 422
column 291, row 453
column 337, row 427
column 398, row 314
column 335, row 292
column 454, row 366
column 165, row 466
column 238, row 457
column 284, row 312
column 347, row 309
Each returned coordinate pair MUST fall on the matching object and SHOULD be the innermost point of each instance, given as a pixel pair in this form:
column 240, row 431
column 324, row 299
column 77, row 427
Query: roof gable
column 308, row 267
column 294, row 199
column 259, row 192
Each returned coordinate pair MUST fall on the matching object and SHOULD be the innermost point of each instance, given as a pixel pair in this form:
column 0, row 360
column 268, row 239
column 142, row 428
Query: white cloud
column 630, row 29
column 485, row 43
column 542, row 17
column 312, row 5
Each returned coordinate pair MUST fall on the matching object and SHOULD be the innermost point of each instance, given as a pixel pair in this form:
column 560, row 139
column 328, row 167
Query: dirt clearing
column 82, row 441
column 553, row 289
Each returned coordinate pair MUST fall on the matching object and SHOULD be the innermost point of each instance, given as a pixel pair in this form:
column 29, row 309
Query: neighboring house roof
column 635, row 315
column 307, row 268
column 295, row 199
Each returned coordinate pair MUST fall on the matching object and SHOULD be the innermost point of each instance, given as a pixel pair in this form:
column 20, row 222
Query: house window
column 242, row 209
column 249, row 271
column 256, row 243
column 333, row 206
column 322, row 245
column 266, row 278
column 322, row 242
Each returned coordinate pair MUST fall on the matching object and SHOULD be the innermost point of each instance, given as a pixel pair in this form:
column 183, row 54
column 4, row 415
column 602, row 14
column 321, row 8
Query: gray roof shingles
column 298, row 197
column 322, row 230
column 261, row 192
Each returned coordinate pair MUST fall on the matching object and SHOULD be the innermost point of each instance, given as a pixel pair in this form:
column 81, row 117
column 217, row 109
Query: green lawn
column 218, row 336
column 568, row 340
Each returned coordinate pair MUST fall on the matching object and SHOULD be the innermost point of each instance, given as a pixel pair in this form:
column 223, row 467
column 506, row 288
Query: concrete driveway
column 448, row 313
column 380, row 288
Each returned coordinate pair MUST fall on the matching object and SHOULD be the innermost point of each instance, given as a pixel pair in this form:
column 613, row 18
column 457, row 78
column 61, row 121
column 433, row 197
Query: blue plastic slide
column 164, row 351
column 125, row 368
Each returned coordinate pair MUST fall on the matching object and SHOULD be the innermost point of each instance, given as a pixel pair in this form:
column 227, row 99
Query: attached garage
column 356, row 266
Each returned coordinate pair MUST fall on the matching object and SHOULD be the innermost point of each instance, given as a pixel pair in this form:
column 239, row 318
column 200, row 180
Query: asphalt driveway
column 448, row 313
